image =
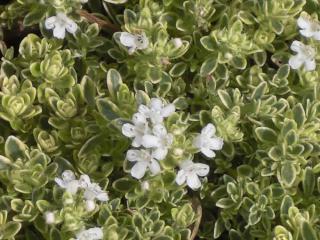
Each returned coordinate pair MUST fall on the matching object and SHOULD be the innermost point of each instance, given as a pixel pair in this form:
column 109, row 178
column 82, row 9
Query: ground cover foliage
column 159, row 120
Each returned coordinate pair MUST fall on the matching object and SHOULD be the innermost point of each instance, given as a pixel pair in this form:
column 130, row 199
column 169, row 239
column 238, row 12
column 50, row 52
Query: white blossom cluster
column 152, row 142
column 149, row 137
column 92, row 192
column 309, row 28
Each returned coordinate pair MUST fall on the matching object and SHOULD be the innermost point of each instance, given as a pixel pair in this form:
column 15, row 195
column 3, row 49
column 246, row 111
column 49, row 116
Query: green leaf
column 55, row 234
column 288, row 173
column 178, row 69
column 225, row 98
column 259, row 91
column 308, row 232
column 114, row 81
column 299, row 115
column 107, row 108
column 4, row 163
column 35, row 16
column 14, row 148
column 219, row 227
column 266, row 134
column 208, row 43
column 224, row 203
column 260, row 58
column 283, row 71
column 287, row 202
column 308, row 182
column 89, row 90
column 239, row 62
column 10, row 229
column 208, row 66
column 124, row 184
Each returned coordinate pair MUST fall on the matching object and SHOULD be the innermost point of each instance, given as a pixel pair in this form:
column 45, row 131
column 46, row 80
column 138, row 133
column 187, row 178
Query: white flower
column 177, row 42
column 60, row 24
column 309, row 27
column 144, row 160
column 190, row 172
column 95, row 233
column 160, row 141
column 305, row 56
column 90, row 205
column 136, row 130
column 68, row 181
column 134, row 41
column 92, row 191
column 207, row 141
column 157, row 110
column 49, row 217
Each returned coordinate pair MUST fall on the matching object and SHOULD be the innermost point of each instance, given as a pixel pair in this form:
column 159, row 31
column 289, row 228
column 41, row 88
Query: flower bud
column 177, row 42
column 90, row 205
column 49, row 217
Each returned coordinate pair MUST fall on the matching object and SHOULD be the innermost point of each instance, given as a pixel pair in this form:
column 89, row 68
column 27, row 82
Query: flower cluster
column 205, row 142
column 309, row 28
column 148, row 131
column 92, row 191
column 149, row 134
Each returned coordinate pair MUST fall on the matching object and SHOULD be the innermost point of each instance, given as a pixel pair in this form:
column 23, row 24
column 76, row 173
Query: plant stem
column 198, row 209
column 102, row 23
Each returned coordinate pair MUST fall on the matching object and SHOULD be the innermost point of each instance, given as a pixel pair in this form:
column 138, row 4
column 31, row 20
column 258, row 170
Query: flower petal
column 72, row 187
column 139, row 118
column 144, row 110
column 71, row 26
column 159, row 130
column 306, row 33
column 316, row 35
column 160, row 153
column 59, row 31
column 181, row 177
column 193, row 181
column 50, row 22
column 208, row 152
column 296, row 46
column 168, row 110
column 209, row 130
column 103, row 197
column 84, row 181
column 310, row 65
column 133, row 155
column 303, row 22
column 137, row 141
column 154, row 167
column 156, row 104
column 139, row 170
column 150, row 141
column 68, row 175
column 186, row 164
column 127, row 39
column 215, row 143
column 202, row 169
column 295, row 62
column 60, row 182
column 128, row 130
column 142, row 41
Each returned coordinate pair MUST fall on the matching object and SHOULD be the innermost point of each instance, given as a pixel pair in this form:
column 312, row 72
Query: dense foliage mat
column 160, row 119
